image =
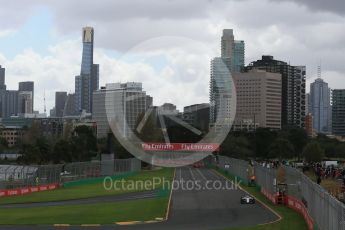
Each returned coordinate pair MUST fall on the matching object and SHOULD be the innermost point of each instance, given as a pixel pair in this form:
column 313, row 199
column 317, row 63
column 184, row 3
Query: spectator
column 318, row 180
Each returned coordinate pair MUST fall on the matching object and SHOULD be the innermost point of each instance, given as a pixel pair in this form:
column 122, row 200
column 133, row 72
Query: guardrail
column 326, row 211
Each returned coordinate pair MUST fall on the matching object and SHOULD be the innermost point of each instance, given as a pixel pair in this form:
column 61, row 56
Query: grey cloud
column 335, row 6
column 300, row 31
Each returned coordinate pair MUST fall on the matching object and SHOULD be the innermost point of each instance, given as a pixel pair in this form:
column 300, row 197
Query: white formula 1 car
column 246, row 199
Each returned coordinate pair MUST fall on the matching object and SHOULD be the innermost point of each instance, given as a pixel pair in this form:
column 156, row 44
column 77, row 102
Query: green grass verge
column 107, row 213
column 291, row 219
column 93, row 190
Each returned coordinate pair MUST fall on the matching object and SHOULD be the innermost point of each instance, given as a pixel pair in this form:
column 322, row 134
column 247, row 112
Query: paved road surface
column 198, row 208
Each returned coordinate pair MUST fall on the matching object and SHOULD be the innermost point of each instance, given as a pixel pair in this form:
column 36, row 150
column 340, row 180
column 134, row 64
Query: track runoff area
column 198, row 198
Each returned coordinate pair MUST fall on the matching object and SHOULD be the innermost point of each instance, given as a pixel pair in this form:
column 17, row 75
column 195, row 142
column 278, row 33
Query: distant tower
column 230, row 61
column 320, row 96
column 88, row 80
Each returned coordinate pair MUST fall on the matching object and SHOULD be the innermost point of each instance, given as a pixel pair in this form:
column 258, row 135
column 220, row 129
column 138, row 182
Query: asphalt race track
column 202, row 199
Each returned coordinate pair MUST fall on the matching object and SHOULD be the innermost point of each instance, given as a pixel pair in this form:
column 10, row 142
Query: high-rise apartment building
column 125, row 101
column 27, row 86
column 338, row 112
column 88, row 80
column 320, row 106
column 60, row 100
column 258, row 95
column 293, row 89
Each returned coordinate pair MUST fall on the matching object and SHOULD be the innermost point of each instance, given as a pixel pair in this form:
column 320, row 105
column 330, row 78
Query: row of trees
column 263, row 143
column 36, row 148
column 81, row 144
column 283, row 144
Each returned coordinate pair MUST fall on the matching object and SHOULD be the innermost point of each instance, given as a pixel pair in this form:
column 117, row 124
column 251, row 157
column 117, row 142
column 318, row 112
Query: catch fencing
column 265, row 177
column 318, row 207
column 326, row 211
column 235, row 167
column 19, row 176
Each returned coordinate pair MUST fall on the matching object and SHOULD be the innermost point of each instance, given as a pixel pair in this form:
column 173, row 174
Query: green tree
column 263, row 138
column 236, row 145
column 281, row 148
column 32, row 133
column 3, row 144
column 62, row 152
column 340, row 150
column 298, row 137
column 313, row 152
column 30, row 154
column 84, row 143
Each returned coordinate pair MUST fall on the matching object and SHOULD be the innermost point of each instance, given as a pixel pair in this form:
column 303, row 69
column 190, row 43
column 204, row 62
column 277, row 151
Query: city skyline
column 40, row 54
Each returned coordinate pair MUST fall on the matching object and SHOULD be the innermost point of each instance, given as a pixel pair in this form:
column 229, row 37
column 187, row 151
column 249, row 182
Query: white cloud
column 286, row 29
column 54, row 72
column 182, row 78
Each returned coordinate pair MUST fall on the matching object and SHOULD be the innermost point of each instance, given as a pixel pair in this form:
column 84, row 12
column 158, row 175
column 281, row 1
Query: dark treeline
column 81, row 144
column 283, row 144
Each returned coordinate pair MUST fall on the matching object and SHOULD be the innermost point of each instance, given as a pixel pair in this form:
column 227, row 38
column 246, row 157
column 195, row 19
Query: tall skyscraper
column 60, row 100
column 221, row 88
column 220, row 92
column 27, row 86
column 2, row 78
column 118, row 96
column 88, row 80
column 320, row 105
column 293, row 89
column 233, row 49
column 338, row 112
column 258, row 100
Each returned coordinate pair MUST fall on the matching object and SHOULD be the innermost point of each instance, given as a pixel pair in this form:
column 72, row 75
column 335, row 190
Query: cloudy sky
column 166, row 44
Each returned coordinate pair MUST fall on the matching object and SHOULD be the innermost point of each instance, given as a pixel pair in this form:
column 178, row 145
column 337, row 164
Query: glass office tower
column 88, row 80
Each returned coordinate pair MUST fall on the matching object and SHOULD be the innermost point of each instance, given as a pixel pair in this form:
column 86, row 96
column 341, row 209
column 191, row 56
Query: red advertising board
column 272, row 197
column 23, row 191
column 293, row 203
column 194, row 147
column 298, row 206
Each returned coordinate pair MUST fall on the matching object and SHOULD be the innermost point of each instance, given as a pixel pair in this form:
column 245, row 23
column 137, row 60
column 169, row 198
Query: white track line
column 190, row 170
column 202, row 175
